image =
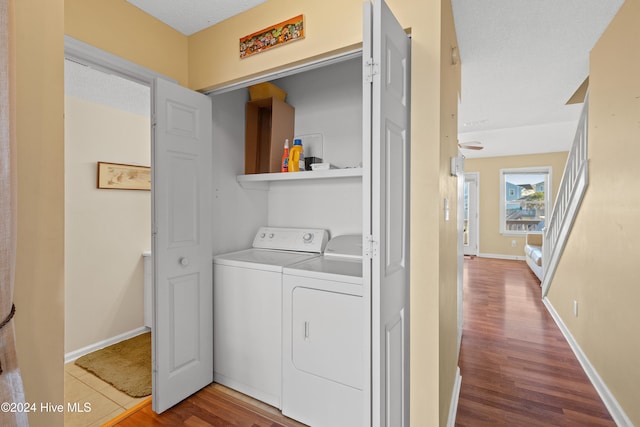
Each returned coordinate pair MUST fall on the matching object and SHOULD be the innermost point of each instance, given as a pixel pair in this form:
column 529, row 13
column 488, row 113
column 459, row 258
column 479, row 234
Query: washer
column 324, row 337
column 247, row 292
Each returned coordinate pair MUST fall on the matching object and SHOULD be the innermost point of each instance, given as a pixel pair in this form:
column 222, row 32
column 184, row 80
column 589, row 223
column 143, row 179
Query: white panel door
column 388, row 196
column 182, row 334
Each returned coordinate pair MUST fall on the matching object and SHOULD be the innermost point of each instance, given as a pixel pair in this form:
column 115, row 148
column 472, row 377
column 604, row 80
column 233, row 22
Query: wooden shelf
column 263, row 180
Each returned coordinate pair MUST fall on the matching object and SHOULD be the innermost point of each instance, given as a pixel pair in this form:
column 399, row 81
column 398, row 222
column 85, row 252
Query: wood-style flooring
column 214, row 405
column 517, row 369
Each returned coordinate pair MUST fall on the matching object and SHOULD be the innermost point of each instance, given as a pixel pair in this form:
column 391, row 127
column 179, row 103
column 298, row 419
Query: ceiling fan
column 471, row 145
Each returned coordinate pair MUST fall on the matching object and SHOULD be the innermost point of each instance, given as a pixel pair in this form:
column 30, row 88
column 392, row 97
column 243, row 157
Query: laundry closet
column 353, row 111
column 268, row 341
column 328, row 110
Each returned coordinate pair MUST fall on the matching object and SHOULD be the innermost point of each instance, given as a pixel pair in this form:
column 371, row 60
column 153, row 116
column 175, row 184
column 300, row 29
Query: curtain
column 11, row 390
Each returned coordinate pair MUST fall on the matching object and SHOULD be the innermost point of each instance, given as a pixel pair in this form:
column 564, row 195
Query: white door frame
column 91, row 56
column 86, row 54
column 460, row 251
column 474, row 217
column 98, row 59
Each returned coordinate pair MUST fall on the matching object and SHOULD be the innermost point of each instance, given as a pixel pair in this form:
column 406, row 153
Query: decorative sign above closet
column 276, row 35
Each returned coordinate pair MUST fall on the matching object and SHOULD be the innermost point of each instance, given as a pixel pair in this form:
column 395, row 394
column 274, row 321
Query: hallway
column 517, row 369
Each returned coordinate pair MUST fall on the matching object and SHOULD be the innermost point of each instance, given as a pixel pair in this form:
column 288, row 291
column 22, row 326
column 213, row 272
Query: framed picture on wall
column 117, row 176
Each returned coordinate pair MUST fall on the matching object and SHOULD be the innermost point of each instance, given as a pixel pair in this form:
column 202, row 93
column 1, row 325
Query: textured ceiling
column 191, row 16
column 521, row 61
column 112, row 91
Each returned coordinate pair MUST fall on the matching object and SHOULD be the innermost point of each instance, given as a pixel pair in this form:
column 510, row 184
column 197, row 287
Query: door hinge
column 370, row 249
column 371, row 69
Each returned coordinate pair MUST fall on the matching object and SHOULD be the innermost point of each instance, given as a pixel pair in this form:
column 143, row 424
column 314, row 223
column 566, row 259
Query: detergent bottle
column 296, row 156
column 285, row 157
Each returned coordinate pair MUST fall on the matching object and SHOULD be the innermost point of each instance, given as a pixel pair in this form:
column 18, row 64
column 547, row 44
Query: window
column 525, row 199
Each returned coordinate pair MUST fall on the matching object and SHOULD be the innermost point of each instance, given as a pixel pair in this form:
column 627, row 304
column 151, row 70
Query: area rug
column 125, row 365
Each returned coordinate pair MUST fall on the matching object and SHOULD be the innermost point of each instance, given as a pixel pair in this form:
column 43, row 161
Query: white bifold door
column 386, row 53
column 182, row 335
column 182, row 220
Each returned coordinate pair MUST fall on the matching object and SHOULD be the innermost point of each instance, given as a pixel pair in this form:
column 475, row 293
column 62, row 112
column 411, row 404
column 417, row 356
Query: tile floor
column 106, row 402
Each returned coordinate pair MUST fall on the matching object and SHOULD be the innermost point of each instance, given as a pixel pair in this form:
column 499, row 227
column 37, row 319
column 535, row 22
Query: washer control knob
column 262, row 235
column 184, row 261
column 271, row 235
column 307, row 237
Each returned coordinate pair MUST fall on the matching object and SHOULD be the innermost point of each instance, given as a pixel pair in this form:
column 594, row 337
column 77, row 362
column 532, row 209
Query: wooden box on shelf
column 268, row 122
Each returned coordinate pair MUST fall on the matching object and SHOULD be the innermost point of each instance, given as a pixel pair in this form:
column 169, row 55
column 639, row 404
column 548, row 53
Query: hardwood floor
column 517, row 369
column 214, row 405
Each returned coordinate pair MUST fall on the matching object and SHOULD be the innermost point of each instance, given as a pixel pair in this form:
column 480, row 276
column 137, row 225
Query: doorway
column 107, row 119
column 471, row 215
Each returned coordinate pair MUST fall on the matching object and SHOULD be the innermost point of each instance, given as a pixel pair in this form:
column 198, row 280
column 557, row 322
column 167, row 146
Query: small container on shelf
column 266, row 90
column 310, row 161
column 285, row 156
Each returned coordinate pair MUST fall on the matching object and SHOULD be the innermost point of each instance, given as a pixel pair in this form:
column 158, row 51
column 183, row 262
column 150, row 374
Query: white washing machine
column 247, row 309
column 324, row 337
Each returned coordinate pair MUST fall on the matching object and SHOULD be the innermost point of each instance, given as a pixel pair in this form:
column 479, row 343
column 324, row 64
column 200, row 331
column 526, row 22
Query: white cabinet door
column 386, row 52
column 327, row 335
column 182, row 335
column 247, row 331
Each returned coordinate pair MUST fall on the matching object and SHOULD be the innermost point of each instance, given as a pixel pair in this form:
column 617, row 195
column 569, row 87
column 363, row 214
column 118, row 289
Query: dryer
column 324, row 337
column 247, row 309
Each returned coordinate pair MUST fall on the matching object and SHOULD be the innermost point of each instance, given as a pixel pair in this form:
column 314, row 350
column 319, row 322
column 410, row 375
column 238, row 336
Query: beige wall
column 214, row 58
column 448, row 295
column 39, row 282
column 599, row 265
column 214, row 61
column 106, row 231
column 491, row 241
column 126, row 31
column 115, row 26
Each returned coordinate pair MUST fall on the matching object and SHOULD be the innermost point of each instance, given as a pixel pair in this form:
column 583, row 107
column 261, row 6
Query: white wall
column 332, row 204
column 237, row 213
column 327, row 101
column 106, row 231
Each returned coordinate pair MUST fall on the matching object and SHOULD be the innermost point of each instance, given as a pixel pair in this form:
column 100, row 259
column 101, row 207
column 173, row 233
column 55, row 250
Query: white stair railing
column 572, row 188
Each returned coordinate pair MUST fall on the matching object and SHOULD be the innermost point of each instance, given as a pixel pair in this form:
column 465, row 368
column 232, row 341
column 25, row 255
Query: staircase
column 572, row 188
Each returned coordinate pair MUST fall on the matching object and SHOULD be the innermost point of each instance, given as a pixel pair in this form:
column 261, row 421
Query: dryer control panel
column 291, row 239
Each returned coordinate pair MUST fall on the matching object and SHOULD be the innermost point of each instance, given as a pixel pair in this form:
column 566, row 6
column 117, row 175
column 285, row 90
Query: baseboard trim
column 617, row 413
column 455, row 395
column 73, row 355
column 501, row 256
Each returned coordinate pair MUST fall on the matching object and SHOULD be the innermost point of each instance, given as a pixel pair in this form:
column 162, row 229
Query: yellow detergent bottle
column 295, row 155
